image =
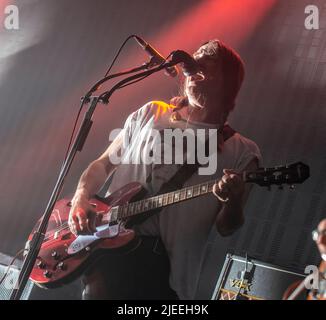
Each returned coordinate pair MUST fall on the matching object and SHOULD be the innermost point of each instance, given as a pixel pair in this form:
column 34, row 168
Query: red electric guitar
column 64, row 256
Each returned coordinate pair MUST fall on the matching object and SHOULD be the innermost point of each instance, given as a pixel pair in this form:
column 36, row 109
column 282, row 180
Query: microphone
column 157, row 58
column 189, row 65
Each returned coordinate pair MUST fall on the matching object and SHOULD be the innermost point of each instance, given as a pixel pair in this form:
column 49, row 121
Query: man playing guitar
column 170, row 268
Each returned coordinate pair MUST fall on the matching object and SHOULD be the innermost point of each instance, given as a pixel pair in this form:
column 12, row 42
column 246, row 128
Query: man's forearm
column 91, row 180
column 230, row 218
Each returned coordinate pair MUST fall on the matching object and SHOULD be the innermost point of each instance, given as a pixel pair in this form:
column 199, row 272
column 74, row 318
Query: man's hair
column 232, row 68
column 233, row 73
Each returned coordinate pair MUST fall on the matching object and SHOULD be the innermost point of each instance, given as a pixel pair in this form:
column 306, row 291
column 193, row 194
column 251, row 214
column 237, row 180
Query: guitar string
column 65, row 226
column 244, row 174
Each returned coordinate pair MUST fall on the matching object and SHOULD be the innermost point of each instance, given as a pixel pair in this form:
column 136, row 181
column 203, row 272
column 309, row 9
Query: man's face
column 321, row 240
column 204, row 90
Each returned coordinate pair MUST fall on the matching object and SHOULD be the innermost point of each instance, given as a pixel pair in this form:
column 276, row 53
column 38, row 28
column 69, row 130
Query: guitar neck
column 162, row 200
column 265, row 177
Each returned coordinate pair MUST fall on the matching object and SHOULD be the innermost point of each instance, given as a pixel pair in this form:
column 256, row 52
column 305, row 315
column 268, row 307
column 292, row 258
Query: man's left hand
column 230, row 188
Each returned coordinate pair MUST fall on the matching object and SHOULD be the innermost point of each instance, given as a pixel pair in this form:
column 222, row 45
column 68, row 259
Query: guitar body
column 63, row 256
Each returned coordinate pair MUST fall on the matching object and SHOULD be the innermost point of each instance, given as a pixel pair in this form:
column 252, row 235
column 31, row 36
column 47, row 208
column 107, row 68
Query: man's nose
column 197, row 77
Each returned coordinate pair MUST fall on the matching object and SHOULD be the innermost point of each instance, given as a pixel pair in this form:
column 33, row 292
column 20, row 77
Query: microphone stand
column 38, row 236
column 97, row 85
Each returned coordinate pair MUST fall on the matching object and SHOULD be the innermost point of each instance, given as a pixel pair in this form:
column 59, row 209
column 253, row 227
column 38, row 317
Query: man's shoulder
column 245, row 147
column 154, row 108
column 242, row 140
column 245, row 144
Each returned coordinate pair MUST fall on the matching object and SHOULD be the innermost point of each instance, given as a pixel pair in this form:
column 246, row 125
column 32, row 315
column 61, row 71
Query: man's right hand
column 82, row 219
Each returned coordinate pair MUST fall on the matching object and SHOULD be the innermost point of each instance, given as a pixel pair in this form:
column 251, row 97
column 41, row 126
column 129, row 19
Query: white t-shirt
column 183, row 227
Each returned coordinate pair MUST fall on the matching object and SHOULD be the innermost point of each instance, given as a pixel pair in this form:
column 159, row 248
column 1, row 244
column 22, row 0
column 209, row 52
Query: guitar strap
column 179, row 178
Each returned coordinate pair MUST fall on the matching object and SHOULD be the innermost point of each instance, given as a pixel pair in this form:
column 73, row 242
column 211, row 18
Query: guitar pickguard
column 103, row 232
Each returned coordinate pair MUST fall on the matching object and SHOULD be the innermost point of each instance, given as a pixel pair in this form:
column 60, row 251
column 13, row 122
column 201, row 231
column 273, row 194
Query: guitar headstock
column 289, row 174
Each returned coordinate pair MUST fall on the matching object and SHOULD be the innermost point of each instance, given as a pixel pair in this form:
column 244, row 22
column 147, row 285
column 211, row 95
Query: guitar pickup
column 66, row 236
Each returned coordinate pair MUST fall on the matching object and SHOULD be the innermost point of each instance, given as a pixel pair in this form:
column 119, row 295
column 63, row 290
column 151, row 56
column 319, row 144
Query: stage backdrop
column 62, row 47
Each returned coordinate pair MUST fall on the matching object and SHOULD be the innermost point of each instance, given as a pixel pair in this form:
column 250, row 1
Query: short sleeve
column 129, row 127
column 250, row 152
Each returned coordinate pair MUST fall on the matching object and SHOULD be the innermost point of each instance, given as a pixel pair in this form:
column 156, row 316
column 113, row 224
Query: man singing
column 167, row 265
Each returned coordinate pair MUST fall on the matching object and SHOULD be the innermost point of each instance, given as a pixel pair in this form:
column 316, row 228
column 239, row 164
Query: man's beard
column 196, row 97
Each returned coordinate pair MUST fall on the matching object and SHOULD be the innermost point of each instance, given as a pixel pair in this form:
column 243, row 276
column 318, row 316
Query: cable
column 118, row 53
column 132, row 82
column 73, row 132
column 144, row 77
column 82, row 103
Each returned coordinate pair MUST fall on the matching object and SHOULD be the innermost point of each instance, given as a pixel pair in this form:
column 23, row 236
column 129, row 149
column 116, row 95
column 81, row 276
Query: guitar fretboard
column 160, row 201
column 289, row 174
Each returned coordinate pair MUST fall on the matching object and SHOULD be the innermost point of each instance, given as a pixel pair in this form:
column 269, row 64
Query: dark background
column 62, row 47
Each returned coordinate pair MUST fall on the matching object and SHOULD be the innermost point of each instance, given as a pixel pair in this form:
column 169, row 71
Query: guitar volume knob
column 47, row 274
column 62, row 266
column 55, row 255
column 41, row 264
